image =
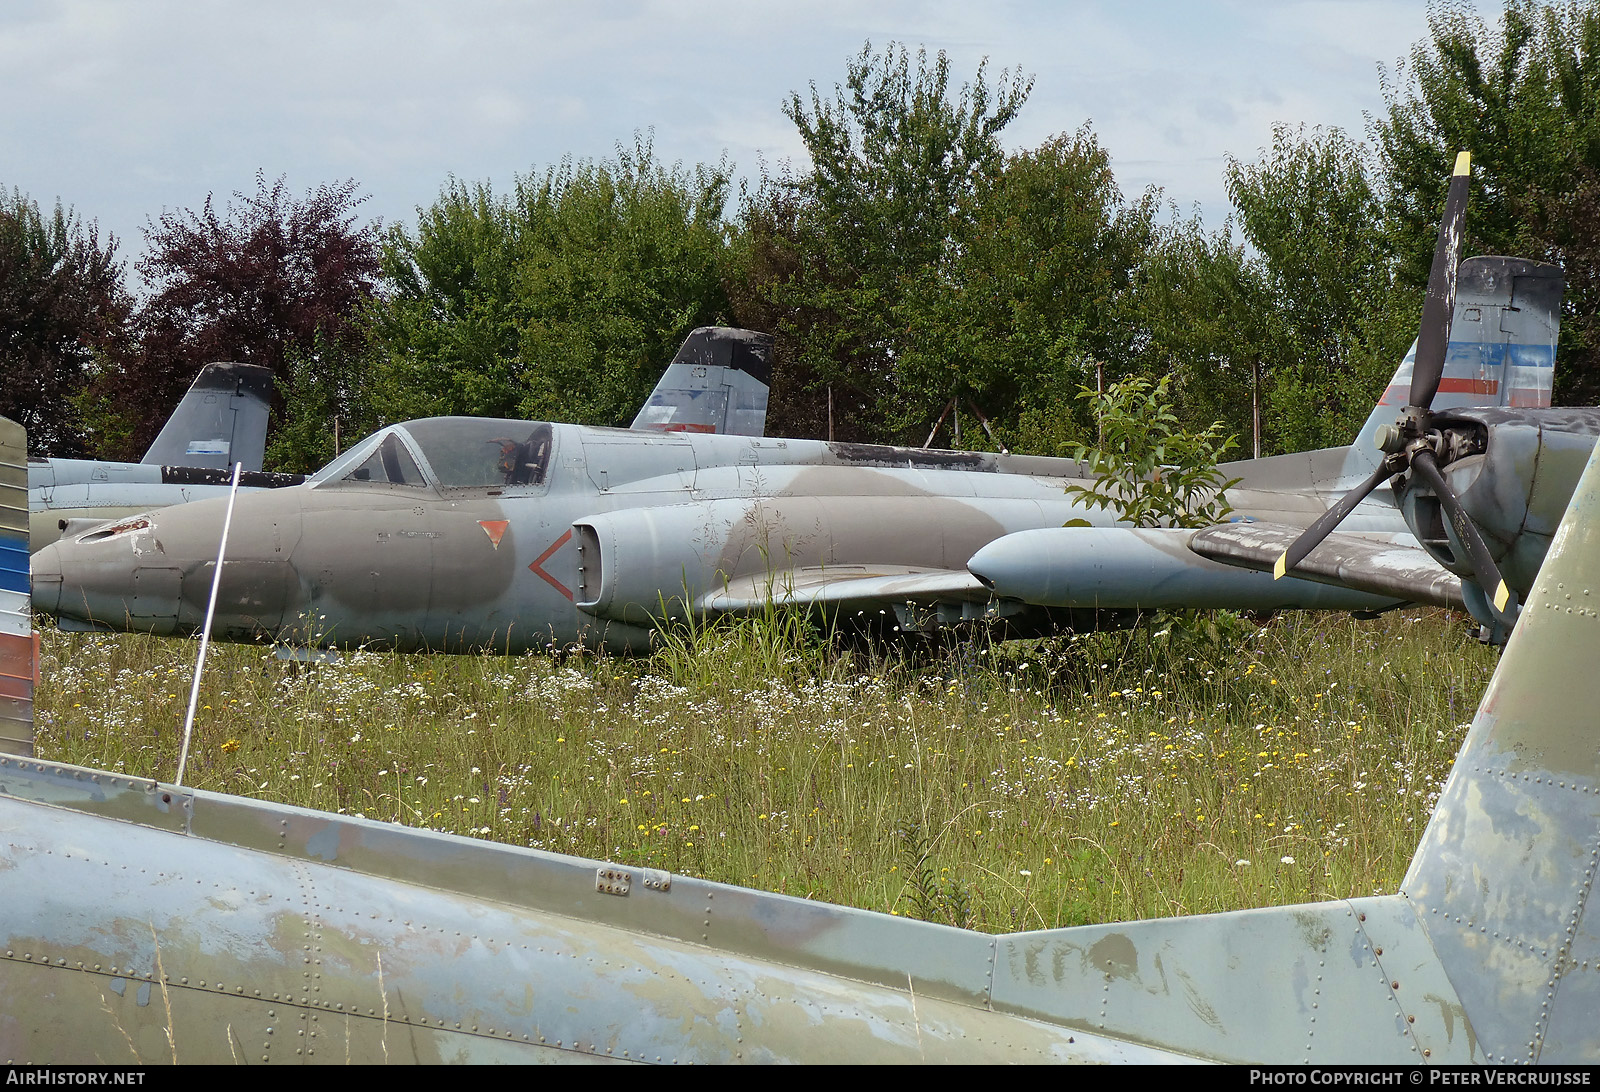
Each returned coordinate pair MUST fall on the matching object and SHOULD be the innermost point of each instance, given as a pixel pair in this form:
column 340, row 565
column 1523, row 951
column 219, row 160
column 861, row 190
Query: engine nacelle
column 647, row 565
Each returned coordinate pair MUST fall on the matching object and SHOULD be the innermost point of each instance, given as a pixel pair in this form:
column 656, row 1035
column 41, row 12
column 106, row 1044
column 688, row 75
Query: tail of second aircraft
column 222, row 420
column 1502, row 346
column 717, row 383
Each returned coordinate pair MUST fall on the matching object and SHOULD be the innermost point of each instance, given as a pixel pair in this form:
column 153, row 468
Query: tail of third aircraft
column 19, row 649
column 1502, row 345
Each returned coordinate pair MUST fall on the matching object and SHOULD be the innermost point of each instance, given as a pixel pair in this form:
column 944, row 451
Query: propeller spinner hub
column 1391, row 439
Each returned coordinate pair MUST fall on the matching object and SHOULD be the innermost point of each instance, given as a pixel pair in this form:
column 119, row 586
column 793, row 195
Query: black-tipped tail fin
column 222, row 420
column 717, row 383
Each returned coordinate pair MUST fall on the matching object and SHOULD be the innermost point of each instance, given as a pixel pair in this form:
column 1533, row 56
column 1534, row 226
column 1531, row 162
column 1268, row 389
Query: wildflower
column 230, row 746
column 1241, row 862
column 1286, row 860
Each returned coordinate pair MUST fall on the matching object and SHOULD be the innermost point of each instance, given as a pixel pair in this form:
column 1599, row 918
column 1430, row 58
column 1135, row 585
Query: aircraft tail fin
column 220, row 421
column 1502, row 349
column 716, row 383
column 1506, row 869
column 19, row 645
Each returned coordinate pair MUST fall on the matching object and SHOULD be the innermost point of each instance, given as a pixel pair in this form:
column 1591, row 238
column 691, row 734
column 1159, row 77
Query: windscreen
column 469, row 452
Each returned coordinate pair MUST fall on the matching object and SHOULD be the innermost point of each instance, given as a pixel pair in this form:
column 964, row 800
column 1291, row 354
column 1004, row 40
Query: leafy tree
column 562, row 300
column 1524, row 98
column 1339, row 323
column 63, row 309
column 1492, row 92
column 894, row 160
column 1208, row 312
column 326, row 400
column 1039, row 286
column 269, row 280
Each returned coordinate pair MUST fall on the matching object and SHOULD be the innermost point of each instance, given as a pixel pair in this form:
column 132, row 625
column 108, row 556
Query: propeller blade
column 1312, row 536
column 1433, row 338
column 1484, row 570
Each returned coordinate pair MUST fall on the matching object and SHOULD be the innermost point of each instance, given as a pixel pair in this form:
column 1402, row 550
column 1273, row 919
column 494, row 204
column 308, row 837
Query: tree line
column 914, row 271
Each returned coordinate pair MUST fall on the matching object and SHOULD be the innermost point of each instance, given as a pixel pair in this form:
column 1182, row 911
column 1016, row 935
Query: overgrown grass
column 1015, row 786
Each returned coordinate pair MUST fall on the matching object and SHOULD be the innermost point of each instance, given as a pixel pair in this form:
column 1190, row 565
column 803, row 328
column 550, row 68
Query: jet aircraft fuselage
column 458, row 533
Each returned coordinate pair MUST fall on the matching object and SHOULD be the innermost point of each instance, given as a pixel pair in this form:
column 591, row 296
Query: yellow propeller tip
column 1501, row 595
column 1280, row 568
column 1463, row 163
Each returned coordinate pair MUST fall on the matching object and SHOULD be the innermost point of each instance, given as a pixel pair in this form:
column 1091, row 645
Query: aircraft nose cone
column 153, row 573
column 114, row 576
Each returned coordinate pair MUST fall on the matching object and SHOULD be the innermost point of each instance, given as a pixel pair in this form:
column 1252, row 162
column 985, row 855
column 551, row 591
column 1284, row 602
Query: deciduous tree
column 268, row 279
column 1311, row 208
column 562, row 300
column 63, row 307
column 895, row 154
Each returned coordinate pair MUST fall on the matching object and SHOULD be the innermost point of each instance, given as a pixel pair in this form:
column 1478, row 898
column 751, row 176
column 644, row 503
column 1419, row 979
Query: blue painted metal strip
column 14, row 563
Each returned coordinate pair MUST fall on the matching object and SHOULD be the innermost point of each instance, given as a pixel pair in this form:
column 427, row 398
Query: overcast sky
column 125, row 108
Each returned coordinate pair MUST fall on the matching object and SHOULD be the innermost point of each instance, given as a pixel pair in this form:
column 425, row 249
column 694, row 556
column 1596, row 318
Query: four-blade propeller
column 1411, row 443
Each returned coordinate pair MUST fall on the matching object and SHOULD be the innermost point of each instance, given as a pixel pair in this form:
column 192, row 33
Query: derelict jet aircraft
column 147, row 922
column 459, row 533
column 221, row 420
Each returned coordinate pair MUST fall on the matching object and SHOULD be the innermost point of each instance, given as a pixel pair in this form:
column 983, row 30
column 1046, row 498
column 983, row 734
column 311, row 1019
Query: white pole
column 205, row 632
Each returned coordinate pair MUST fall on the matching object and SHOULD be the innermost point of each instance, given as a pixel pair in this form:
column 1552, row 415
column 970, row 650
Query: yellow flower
column 231, row 746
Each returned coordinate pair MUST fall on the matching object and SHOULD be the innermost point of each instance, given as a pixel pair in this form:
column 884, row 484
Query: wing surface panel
column 1391, row 565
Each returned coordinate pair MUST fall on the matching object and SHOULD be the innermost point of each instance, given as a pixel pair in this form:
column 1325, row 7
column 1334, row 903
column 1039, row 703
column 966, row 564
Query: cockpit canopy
column 447, row 453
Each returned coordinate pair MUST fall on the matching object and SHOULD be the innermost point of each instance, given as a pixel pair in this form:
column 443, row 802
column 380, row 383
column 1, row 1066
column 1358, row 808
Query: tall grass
column 1004, row 786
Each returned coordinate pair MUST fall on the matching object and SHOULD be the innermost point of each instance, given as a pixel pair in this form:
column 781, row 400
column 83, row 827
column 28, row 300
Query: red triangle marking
column 494, row 528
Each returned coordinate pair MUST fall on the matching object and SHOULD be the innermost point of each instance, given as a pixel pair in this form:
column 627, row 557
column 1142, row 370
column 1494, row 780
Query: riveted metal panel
column 1285, row 985
column 253, row 956
column 1506, row 870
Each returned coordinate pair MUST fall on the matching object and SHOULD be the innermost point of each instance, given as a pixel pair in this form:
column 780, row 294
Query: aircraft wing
column 1390, row 565
column 845, row 586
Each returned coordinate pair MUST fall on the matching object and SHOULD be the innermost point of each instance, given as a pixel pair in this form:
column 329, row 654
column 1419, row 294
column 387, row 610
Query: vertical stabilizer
column 1502, row 350
column 221, row 420
column 1506, row 869
column 717, row 383
column 19, row 647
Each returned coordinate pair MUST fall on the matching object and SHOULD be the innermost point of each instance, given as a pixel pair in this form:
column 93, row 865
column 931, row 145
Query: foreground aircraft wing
column 1391, row 565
